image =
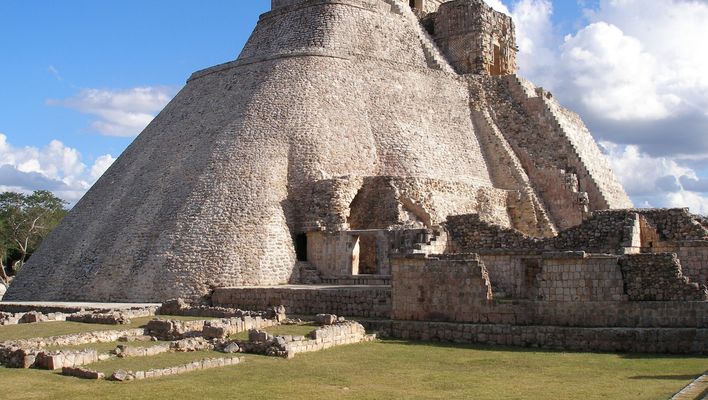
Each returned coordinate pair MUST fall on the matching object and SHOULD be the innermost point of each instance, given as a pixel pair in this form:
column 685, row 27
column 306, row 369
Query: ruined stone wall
column 211, row 193
column 604, row 231
column 650, row 277
column 348, row 332
column 475, row 38
column 675, row 224
column 438, row 289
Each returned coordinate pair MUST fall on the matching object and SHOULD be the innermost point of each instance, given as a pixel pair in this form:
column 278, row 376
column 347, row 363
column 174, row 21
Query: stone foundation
column 350, row 301
column 634, row 340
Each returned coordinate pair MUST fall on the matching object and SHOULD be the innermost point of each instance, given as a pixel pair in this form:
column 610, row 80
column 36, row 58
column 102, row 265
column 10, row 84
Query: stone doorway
column 364, row 255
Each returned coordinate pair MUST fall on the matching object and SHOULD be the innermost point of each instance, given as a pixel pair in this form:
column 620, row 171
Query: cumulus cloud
column 534, row 36
column 119, row 112
column 54, row 167
column 657, row 181
column 498, row 5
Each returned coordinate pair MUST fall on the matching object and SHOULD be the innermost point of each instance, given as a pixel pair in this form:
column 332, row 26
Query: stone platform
column 633, row 340
column 372, row 301
column 67, row 307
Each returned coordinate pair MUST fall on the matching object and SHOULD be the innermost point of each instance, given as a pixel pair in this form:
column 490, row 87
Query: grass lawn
column 382, row 370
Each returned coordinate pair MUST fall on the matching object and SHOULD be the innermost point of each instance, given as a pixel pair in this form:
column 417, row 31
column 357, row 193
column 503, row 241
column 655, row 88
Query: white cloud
column 657, row 181
column 534, row 36
column 101, row 165
column 54, row 167
column 612, row 75
column 120, row 112
column 498, row 5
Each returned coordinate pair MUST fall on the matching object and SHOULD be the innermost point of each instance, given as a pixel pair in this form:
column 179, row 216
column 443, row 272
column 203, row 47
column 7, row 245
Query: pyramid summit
column 345, row 134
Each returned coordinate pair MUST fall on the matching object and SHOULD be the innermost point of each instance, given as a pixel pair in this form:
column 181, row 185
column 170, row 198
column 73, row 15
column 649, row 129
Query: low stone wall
column 82, row 373
column 373, row 302
column 175, row 330
column 677, row 314
column 65, row 358
column 180, row 307
column 342, row 333
column 75, row 339
column 26, row 352
column 651, row 277
column 125, row 351
column 207, row 363
column 114, row 318
column 636, row 340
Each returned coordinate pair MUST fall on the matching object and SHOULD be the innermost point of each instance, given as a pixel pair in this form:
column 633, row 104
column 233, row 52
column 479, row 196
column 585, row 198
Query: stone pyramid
column 338, row 116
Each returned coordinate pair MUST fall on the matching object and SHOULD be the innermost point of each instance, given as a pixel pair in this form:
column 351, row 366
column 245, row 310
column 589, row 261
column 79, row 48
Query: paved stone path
column 697, row 390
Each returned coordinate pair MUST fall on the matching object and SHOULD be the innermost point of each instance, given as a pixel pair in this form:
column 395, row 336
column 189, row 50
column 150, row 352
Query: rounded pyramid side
column 204, row 196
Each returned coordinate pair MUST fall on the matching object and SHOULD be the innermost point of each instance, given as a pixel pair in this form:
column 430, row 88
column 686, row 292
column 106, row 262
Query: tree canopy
column 25, row 220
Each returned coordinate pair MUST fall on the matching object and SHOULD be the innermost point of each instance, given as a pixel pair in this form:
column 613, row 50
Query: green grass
column 163, row 360
column 382, row 370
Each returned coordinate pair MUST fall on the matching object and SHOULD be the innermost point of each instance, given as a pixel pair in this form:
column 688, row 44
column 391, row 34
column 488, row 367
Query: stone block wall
column 439, row 289
column 651, row 277
column 345, row 301
column 507, row 273
column 579, row 278
column 694, row 260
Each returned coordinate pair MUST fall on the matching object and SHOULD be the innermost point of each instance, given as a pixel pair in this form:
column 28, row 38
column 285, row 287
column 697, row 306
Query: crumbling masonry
column 378, row 142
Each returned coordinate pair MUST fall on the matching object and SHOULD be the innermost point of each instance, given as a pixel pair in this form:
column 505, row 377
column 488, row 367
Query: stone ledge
column 637, row 340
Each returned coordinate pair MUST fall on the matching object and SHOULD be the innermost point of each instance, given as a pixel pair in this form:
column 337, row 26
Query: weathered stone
column 231, row 348
column 82, row 373
column 32, row 317
column 122, row 376
column 326, row 319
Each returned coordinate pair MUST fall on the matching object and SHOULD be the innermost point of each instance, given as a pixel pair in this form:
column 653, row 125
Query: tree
column 25, row 220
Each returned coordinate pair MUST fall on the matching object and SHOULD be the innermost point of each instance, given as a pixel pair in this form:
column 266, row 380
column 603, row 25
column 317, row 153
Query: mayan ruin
column 373, row 159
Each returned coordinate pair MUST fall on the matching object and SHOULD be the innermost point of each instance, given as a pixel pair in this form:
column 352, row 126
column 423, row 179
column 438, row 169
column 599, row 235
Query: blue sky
column 79, row 79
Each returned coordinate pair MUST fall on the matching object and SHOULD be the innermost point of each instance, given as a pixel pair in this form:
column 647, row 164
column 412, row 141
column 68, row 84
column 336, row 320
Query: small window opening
column 301, row 247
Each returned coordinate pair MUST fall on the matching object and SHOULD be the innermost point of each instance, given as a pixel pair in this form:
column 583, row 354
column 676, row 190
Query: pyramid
column 337, row 117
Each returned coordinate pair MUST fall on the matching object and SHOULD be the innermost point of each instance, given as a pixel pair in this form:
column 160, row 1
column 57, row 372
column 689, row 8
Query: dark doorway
column 301, row 247
column 496, row 68
column 368, row 263
column 412, row 3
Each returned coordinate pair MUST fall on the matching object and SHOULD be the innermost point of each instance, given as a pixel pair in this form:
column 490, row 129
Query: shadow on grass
column 520, row 349
column 667, row 377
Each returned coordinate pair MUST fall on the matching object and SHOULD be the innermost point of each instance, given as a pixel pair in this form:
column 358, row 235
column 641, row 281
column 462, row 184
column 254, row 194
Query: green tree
column 25, row 220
